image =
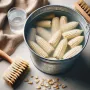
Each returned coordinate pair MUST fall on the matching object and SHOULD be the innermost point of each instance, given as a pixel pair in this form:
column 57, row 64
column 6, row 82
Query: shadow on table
column 80, row 71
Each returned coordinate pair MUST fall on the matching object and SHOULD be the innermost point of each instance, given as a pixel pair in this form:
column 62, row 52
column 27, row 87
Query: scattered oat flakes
column 46, row 84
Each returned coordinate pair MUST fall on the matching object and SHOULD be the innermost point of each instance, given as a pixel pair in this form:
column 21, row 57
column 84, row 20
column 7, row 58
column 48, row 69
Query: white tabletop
column 75, row 77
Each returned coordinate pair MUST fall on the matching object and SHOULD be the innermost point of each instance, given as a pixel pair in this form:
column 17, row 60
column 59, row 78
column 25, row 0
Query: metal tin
column 55, row 66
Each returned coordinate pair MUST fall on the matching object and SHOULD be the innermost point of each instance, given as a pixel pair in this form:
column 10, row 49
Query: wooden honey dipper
column 83, row 8
column 16, row 72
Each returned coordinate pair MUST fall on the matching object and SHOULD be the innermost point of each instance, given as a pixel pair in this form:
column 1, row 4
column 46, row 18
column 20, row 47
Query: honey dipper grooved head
column 16, row 72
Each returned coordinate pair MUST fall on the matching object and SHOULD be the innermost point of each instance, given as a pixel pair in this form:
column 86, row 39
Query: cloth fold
column 9, row 43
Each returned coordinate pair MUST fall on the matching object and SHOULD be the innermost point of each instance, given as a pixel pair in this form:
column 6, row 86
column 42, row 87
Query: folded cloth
column 2, row 19
column 9, row 43
column 30, row 5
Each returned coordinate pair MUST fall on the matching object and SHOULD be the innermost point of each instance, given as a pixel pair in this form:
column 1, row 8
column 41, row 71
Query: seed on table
column 49, row 87
column 54, row 81
column 37, row 81
column 59, row 84
column 42, row 83
column 30, row 82
column 57, row 87
column 54, row 86
column 36, row 77
column 46, row 85
column 48, row 80
column 57, row 79
column 38, row 87
column 26, row 80
column 43, row 79
column 44, row 88
column 51, row 82
column 64, row 86
column 31, row 76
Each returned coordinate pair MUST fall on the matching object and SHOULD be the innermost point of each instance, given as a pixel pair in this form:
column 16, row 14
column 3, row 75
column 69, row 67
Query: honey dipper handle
column 5, row 56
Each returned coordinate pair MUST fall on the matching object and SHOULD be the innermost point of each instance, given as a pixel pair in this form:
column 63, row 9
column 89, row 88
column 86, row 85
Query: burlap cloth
column 9, row 41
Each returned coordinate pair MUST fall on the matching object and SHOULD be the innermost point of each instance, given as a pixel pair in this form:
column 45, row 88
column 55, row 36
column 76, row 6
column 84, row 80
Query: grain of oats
column 43, row 79
column 30, row 82
column 57, row 87
column 44, row 88
column 49, row 87
column 38, row 87
column 26, row 80
column 37, row 81
column 60, row 84
column 57, row 79
column 31, row 76
column 54, row 86
column 64, row 86
column 49, row 80
column 42, row 83
column 46, row 85
column 54, row 81
column 36, row 77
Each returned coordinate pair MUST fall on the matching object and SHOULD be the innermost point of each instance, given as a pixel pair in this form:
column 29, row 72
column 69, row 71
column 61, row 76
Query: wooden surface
column 77, row 78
